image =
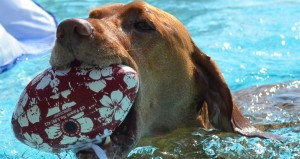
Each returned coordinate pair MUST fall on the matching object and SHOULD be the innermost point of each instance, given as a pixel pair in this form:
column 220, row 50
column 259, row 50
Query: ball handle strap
column 99, row 152
column 97, row 149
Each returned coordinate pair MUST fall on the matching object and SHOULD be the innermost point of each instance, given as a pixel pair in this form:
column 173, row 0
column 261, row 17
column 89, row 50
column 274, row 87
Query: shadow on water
column 277, row 105
column 272, row 108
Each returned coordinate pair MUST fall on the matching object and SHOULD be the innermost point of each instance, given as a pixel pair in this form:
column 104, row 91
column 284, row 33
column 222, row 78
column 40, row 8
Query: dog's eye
column 143, row 26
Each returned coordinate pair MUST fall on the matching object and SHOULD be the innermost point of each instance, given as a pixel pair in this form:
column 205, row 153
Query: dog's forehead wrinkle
column 107, row 33
column 135, row 10
column 105, row 11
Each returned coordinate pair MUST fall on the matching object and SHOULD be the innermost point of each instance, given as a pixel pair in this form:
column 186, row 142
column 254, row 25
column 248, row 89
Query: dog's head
column 176, row 78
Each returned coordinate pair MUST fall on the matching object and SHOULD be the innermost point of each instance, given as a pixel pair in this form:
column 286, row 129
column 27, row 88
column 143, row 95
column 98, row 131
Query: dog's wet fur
column 180, row 86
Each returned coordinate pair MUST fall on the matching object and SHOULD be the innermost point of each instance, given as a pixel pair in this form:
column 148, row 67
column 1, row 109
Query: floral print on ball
column 116, row 105
column 63, row 110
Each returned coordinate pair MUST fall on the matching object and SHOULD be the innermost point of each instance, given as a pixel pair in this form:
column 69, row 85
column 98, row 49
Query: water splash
column 214, row 144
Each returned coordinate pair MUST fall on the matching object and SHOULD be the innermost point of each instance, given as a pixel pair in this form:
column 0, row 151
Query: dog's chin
column 119, row 144
column 63, row 58
column 100, row 64
column 75, row 62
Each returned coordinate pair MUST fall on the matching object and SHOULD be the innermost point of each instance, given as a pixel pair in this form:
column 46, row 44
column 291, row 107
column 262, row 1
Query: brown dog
column 178, row 82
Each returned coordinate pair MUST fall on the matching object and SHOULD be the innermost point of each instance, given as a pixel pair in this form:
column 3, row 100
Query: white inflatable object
column 25, row 28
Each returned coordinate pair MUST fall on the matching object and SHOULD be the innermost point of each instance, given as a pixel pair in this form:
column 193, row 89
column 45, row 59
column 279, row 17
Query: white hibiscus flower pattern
column 100, row 76
column 50, row 79
column 115, row 89
column 116, row 105
column 35, row 141
column 32, row 114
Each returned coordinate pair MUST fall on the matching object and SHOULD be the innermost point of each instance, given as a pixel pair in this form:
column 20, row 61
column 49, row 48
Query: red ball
column 63, row 110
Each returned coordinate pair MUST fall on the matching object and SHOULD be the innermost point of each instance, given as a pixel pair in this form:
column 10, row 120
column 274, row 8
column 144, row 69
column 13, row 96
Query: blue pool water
column 253, row 42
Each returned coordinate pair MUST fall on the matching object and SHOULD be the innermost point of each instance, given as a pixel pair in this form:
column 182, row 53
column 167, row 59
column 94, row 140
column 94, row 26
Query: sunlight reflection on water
column 254, row 43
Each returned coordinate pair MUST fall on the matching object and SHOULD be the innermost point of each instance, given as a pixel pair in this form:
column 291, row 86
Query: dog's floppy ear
column 222, row 111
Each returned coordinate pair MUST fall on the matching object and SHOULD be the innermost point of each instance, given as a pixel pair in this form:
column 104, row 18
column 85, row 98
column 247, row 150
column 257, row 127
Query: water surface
column 255, row 43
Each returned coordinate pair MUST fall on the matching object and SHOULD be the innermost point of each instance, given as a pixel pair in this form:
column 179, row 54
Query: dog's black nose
column 71, row 27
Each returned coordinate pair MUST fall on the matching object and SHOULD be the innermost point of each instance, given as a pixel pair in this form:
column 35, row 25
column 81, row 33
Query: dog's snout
column 71, row 27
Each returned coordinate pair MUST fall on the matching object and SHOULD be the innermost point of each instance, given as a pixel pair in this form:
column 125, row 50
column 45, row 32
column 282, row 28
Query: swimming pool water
column 253, row 42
